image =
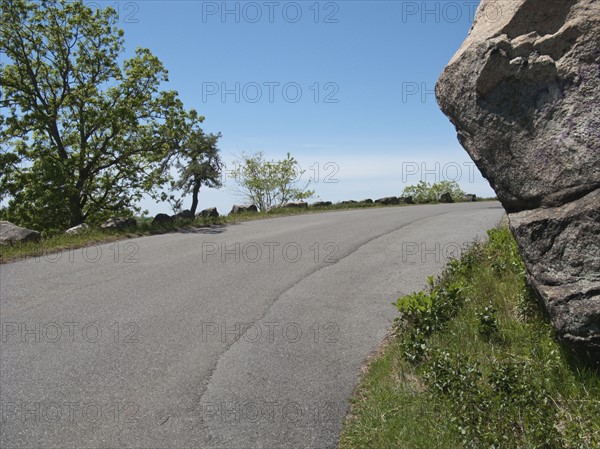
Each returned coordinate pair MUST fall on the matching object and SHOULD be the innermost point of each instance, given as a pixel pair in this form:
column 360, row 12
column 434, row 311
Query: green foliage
column 423, row 313
column 269, row 183
column 425, row 192
column 488, row 322
column 475, row 364
column 82, row 134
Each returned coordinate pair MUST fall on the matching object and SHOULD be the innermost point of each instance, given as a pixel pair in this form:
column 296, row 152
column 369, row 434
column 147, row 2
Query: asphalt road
column 246, row 336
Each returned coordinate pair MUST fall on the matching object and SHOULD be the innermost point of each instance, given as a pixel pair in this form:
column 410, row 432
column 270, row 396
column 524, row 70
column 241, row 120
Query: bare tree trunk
column 75, row 208
column 195, row 198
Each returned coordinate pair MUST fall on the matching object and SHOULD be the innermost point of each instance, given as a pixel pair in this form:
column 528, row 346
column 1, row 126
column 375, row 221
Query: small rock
column 118, row 223
column 211, row 212
column 297, row 205
column 184, row 215
column 446, row 198
column 77, row 229
column 162, row 219
column 239, row 209
column 388, row 200
column 11, row 233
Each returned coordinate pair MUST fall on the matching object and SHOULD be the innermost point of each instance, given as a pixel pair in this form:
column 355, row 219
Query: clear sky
column 346, row 87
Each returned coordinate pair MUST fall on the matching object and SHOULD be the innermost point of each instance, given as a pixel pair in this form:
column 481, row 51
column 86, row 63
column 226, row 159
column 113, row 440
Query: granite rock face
column 523, row 92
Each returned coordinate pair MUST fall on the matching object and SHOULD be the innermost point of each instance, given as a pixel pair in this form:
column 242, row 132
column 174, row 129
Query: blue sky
column 348, row 83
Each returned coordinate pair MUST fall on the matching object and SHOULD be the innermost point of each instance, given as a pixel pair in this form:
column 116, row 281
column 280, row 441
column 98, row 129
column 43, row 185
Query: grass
column 473, row 363
column 95, row 235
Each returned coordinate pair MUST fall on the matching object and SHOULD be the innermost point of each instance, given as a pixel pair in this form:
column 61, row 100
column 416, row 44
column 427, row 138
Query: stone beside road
column 523, row 92
column 11, row 233
column 211, row 212
column 118, row 223
column 239, row 209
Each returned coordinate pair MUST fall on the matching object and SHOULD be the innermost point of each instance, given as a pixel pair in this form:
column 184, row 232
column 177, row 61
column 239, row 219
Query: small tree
column 451, row 187
column 199, row 164
column 269, row 183
column 419, row 192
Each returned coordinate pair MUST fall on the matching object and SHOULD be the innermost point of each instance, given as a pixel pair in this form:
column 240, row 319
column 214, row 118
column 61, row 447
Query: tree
column 419, row 192
column 81, row 135
column 198, row 163
column 268, row 183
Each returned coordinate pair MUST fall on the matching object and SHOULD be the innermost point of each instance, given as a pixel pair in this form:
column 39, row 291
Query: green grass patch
column 473, row 363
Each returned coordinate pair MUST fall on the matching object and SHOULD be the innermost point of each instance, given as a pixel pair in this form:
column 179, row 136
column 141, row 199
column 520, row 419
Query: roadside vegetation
column 269, row 183
column 425, row 192
column 473, row 363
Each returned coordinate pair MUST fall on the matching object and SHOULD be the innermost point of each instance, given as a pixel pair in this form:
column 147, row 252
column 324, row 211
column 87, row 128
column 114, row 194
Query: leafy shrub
column 424, row 192
column 488, row 322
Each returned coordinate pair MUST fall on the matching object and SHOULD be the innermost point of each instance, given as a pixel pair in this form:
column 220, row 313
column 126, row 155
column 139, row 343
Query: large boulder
column 162, row 219
column 523, row 92
column 211, row 212
column 11, row 233
column 239, row 209
column 119, row 223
